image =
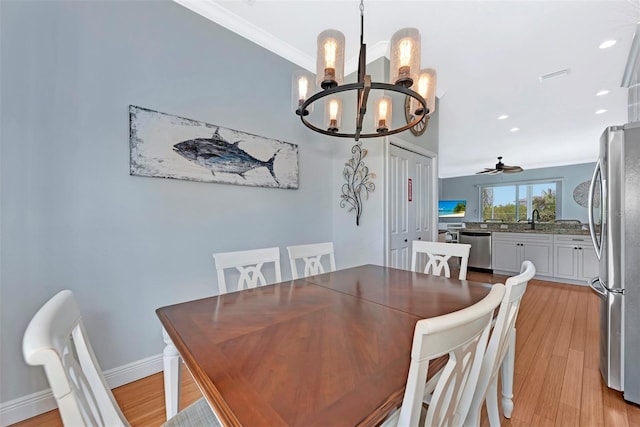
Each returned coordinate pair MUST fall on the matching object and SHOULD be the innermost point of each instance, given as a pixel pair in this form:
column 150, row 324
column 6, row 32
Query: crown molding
column 374, row 52
column 222, row 16
column 232, row 22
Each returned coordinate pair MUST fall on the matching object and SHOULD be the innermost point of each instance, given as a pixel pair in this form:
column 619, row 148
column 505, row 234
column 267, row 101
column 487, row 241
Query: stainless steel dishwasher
column 480, row 241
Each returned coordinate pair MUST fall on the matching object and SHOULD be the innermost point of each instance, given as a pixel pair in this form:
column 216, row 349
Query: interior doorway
column 411, row 195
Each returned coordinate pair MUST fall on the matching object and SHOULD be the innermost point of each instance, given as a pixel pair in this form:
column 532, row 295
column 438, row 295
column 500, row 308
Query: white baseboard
column 40, row 402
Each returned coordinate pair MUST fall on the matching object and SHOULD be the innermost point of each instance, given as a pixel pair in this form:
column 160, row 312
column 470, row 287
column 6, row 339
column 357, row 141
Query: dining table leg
column 508, row 368
column 171, row 366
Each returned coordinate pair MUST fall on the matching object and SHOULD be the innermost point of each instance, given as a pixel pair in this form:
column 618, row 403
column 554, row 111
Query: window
column 516, row 202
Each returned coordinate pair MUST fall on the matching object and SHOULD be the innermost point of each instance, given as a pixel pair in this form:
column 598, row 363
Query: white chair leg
column 493, row 413
column 171, row 361
column 508, row 367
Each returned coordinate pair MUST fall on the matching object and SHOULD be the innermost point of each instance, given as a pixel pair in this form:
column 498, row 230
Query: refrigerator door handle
column 599, row 289
column 592, row 227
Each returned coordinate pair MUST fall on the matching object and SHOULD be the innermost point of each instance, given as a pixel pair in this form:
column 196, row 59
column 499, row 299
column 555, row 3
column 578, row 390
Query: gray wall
column 73, row 218
column 365, row 244
column 466, row 187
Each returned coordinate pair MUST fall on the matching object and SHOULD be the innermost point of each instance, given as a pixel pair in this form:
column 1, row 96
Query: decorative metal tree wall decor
column 358, row 183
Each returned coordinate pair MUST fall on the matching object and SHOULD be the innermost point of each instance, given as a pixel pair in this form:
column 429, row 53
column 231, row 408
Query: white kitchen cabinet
column 574, row 258
column 510, row 249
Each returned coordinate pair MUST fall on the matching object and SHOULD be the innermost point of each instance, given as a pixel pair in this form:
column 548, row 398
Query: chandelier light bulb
column 405, row 57
column 330, row 47
column 303, row 88
column 333, row 113
column 405, row 53
column 302, row 85
column 423, row 85
column 333, row 109
column 330, row 62
column 426, row 89
column 383, row 114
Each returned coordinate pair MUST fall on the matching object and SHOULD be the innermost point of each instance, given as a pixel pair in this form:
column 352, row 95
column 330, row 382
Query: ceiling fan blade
column 500, row 167
column 489, row 172
column 512, row 169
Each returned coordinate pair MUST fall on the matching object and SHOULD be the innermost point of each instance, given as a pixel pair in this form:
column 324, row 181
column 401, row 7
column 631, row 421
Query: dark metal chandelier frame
column 364, row 86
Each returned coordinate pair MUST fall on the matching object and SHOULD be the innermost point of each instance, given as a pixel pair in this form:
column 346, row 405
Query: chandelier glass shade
column 416, row 86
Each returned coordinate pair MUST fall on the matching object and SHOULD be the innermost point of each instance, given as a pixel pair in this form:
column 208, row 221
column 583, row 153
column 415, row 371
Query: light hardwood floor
column 557, row 381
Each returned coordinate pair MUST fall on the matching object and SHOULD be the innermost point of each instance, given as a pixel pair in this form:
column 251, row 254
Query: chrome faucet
column 533, row 218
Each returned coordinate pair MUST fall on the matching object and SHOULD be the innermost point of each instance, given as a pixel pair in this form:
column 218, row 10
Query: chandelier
column 418, row 86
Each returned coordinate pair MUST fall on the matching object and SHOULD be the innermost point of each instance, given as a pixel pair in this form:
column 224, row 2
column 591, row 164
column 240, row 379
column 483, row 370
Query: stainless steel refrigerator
column 614, row 222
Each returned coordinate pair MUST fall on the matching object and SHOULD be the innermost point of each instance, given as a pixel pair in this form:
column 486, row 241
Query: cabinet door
column 540, row 254
column 505, row 255
column 565, row 263
column 588, row 263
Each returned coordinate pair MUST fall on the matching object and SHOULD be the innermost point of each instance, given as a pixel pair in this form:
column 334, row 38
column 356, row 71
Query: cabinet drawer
column 566, row 239
column 523, row 237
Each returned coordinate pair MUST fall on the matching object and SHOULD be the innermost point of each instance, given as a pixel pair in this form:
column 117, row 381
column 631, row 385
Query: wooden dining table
column 326, row 350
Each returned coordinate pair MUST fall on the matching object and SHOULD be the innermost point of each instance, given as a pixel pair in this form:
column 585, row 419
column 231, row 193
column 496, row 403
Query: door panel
column 410, row 214
column 588, row 263
column 540, row 255
column 566, row 265
column 399, row 217
column 506, row 255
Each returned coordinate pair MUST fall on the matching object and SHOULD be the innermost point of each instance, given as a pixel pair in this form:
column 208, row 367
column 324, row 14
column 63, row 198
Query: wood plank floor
column 557, row 381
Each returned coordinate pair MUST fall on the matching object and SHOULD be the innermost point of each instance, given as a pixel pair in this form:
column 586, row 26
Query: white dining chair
column 57, row 340
column 311, row 255
column 463, row 336
column 502, row 337
column 249, row 264
column 438, row 255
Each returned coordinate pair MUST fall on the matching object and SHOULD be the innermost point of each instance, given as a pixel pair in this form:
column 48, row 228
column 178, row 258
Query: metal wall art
column 358, row 185
column 167, row 146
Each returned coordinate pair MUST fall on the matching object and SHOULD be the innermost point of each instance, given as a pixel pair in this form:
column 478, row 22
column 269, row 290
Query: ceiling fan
column 500, row 168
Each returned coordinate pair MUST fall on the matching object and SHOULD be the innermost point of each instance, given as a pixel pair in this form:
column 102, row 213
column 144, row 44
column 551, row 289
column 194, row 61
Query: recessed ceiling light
column 502, row 117
column 601, row 111
column 514, row 129
column 602, row 93
column 607, row 44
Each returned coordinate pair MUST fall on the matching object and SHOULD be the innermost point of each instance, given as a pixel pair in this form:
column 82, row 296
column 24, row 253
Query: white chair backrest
column 249, row 264
column 463, row 335
column 312, row 257
column 505, row 323
column 438, row 254
column 56, row 339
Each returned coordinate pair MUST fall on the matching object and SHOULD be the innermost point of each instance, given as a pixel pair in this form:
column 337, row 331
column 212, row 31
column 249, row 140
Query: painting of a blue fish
column 167, row 146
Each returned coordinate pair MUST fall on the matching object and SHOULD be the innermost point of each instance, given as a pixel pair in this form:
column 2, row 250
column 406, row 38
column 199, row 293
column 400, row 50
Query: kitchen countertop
column 523, row 227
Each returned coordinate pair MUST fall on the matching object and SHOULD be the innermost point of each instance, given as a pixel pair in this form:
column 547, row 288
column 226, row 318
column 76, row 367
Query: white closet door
column 410, row 203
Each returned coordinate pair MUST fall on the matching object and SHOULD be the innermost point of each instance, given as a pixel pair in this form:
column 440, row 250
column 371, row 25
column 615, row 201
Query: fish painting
column 220, row 156
column 166, row 146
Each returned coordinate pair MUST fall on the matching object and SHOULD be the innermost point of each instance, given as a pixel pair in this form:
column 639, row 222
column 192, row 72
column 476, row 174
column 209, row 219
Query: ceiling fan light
column 405, row 57
column 330, row 59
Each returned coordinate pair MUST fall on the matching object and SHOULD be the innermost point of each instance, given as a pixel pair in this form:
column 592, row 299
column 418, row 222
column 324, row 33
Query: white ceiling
column 489, row 56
